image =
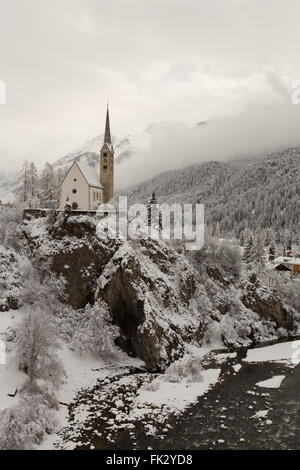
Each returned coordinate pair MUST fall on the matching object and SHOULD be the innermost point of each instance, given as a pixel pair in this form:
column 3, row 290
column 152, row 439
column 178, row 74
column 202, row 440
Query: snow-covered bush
column 184, row 368
column 239, row 327
column 223, row 254
column 47, row 294
column 10, row 279
column 10, row 220
column 89, row 330
column 291, row 291
column 151, row 386
column 229, row 257
column 37, row 345
column 26, row 424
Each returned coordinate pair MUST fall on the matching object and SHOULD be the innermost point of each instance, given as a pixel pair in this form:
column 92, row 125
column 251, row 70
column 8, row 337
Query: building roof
column 287, row 260
column 90, row 174
column 107, row 136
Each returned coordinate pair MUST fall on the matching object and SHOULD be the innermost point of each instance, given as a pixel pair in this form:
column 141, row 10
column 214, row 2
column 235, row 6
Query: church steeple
column 107, row 163
column 107, row 136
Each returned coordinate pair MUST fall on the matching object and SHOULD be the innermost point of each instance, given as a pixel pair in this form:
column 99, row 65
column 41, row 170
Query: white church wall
column 95, row 197
column 81, row 197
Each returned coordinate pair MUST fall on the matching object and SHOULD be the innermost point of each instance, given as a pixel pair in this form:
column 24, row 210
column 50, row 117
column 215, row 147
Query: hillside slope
column 263, row 193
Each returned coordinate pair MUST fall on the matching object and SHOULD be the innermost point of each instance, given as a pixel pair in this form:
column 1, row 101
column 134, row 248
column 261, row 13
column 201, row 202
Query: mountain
column 125, row 147
column 248, row 193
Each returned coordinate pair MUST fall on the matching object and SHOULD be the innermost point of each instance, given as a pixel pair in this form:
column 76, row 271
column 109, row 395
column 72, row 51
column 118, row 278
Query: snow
column 286, row 352
column 261, row 414
column 81, row 371
column 10, row 377
column 90, row 174
column 176, row 396
column 10, row 380
column 287, row 260
column 237, row 367
column 274, row 382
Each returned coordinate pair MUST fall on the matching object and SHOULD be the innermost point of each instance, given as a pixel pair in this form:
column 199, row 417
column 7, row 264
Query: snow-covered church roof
column 90, row 175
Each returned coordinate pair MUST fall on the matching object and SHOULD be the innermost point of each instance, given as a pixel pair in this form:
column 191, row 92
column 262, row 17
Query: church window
column 105, row 154
column 105, row 167
column 75, row 179
column 74, row 191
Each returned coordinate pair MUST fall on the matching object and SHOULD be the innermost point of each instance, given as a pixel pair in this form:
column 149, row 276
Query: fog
column 230, row 63
column 252, row 133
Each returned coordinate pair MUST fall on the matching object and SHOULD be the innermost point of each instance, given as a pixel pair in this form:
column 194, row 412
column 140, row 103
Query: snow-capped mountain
column 125, row 147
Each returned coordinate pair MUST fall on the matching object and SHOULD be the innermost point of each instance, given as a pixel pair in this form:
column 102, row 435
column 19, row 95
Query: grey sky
column 155, row 60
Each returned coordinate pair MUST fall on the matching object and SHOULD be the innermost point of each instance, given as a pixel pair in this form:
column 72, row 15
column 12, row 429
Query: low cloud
column 255, row 132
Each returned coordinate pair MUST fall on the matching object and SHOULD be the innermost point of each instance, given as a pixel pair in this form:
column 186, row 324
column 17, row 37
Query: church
column 82, row 187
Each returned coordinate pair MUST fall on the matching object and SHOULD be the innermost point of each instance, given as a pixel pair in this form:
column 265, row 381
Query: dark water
column 223, row 418
column 204, row 424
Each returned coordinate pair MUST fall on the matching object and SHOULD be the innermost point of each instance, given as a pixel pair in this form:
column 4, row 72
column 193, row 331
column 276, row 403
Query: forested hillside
column 263, row 193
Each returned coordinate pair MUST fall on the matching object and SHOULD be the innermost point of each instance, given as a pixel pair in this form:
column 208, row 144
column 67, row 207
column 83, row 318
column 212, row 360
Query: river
column 236, row 413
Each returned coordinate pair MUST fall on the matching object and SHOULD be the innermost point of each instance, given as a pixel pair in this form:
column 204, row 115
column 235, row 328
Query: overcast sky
column 155, row 60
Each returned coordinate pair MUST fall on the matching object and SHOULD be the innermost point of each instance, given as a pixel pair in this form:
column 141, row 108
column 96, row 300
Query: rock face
column 266, row 303
column 149, row 289
column 155, row 295
column 152, row 302
column 70, row 249
column 10, row 280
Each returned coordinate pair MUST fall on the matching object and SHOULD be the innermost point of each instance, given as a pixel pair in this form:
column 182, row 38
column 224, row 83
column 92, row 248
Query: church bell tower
column 107, row 163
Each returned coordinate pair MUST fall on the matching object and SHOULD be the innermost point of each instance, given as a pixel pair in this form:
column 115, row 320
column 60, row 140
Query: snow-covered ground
column 82, row 372
column 10, row 377
column 175, row 397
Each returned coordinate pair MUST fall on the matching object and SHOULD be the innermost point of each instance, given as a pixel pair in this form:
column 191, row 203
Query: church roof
column 90, row 175
column 107, row 136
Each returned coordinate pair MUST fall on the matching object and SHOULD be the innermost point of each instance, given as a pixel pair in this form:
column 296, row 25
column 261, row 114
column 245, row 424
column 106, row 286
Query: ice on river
column 287, row 352
column 274, row 382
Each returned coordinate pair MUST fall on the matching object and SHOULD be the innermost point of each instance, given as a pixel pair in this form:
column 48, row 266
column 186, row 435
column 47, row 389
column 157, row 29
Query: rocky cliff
column 156, row 296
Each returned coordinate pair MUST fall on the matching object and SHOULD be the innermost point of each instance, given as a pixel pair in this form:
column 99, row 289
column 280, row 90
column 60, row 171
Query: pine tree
column 272, row 252
column 24, row 187
column 217, row 231
column 248, row 250
column 49, row 187
column 296, row 240
column 267, row 238
column 154, row 215
column 258, row 247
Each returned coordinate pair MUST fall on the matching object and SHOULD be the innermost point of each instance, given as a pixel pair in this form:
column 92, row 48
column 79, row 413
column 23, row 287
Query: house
column 83, row 187
column 288, row 263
